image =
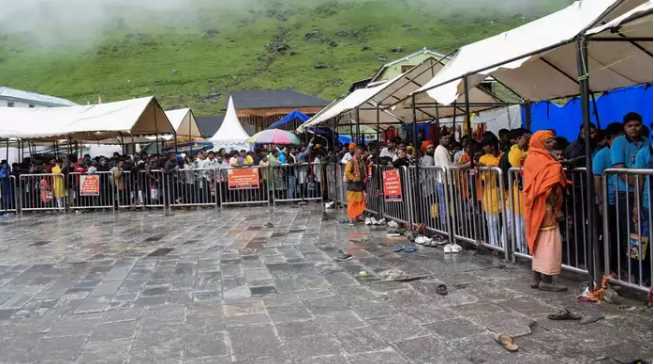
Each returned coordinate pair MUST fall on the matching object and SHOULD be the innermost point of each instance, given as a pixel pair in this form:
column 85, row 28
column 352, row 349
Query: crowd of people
column 538, row 194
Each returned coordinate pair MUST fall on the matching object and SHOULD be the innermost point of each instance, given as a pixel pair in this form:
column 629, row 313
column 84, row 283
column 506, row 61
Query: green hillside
column 197, row 55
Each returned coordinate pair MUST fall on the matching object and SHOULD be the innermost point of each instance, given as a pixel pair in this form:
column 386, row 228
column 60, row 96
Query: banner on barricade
column 243, row 178
column 392, row 185
column 89, row 185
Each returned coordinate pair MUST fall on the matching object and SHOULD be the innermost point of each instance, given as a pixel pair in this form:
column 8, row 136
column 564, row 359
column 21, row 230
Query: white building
column 11, row 97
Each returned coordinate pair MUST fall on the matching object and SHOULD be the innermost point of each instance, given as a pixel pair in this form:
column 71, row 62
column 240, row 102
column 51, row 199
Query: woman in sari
column 355, row 174
column 544, row 183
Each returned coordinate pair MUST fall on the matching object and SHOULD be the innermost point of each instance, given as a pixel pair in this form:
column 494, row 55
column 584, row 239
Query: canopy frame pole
column 584, row 88
column 190, row 141
column 466, row 121
column 377, row 116
column 415, row 124
column 156, row 129
column 358, row 140
column 175, row 138
column 454, row 120
column 7, row 151
column 437, row 134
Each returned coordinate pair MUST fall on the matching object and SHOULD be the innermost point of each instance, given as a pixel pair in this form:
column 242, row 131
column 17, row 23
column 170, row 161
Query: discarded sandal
column 507, row 342
column 441, row 289
column 564, row 314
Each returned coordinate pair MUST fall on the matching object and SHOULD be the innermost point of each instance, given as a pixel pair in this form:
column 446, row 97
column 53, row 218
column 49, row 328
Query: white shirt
column 386, row 153
column 346, row 158
column 442, row 157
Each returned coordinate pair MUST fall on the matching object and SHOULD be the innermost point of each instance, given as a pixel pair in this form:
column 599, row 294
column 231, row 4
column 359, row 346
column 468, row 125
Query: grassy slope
column 181, row 65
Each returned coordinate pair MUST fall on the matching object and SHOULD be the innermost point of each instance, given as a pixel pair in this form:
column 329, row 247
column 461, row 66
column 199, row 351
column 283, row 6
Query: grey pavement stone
column 105, row 352
column 232, row 290
column 397, row 327
column 388, row 356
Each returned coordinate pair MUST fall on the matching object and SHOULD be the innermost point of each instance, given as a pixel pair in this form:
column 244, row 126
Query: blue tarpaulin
column 289, row 118
column 611, row 107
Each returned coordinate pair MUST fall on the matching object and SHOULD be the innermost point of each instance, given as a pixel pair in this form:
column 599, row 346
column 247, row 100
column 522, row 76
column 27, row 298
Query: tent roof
column 394, row 100
column 209, row 124
column 259, row 99
column 33, row 97
column 136, row 117
column 632, row 23
column 288, row 118
column 184, row 123
column 538, row 59
column 231, row 131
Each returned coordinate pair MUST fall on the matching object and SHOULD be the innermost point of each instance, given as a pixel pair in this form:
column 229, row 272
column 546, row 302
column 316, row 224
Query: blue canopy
column 611, row 107
column 289, row 118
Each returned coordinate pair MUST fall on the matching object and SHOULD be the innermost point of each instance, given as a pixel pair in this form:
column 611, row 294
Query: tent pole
column 175, row 137
column 583, row 77
column 454, row 121
column 437, row 134
column 377, row 124
column 358, row 140
column 190, row 145
column 7, row 151
column 415, row 122
column 466, row 121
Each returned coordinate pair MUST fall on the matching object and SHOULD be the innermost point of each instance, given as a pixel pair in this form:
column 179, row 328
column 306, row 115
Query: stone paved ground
column 205, row 286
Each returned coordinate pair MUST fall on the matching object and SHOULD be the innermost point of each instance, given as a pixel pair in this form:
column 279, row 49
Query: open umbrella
column 273, row 136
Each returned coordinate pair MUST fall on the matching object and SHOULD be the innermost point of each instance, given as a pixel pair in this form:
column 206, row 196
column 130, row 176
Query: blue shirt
column 602, row 161
column 623, row 151
column 644, row 161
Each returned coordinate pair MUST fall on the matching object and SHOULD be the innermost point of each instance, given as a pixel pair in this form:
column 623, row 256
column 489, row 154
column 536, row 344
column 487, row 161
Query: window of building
column 10, row 104
column 30, row 105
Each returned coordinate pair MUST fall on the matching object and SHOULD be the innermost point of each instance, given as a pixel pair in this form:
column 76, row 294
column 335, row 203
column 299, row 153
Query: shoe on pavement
column 448, row 249
column 456, row 248
column 393, row 224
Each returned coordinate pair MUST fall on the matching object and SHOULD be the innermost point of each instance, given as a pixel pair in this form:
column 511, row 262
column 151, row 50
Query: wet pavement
column 211, row 286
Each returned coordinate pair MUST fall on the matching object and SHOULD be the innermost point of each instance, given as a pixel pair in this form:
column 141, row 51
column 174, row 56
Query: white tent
column 393, row 99
column 97, row 123
column 231, row 134
column 538, row 60
column 185, row 124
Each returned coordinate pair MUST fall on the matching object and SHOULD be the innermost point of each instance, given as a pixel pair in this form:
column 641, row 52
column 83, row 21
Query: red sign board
column 392, row 185
column 243, row 179
column 89, row 185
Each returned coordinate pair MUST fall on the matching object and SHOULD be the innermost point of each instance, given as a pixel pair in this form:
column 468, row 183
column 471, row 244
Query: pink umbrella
column 273, row 136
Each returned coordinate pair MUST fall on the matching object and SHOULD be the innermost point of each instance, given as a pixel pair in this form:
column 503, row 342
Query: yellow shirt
column 517, row 156
column 516, row 159
column 491, row 196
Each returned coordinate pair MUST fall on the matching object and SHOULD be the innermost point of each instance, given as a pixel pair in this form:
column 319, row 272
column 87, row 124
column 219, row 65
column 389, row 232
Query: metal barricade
column 399, row 208
column 341, row 187
column 431, row 200
column 247, row 185
column 194, row 187
column 330, row 182
column 572, row 226
column 296, row 182
column 140, row 188
column 374, row 191
column 8, row 194
column 627, row 234
column 463, row 189
column 90, row 191
column 42, row 191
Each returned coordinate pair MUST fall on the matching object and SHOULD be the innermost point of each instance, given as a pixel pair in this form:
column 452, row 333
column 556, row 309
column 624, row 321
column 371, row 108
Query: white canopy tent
column 538, row 60
column 231, row 134
column 390, row 102
column 185, row 124
column 103, row 123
